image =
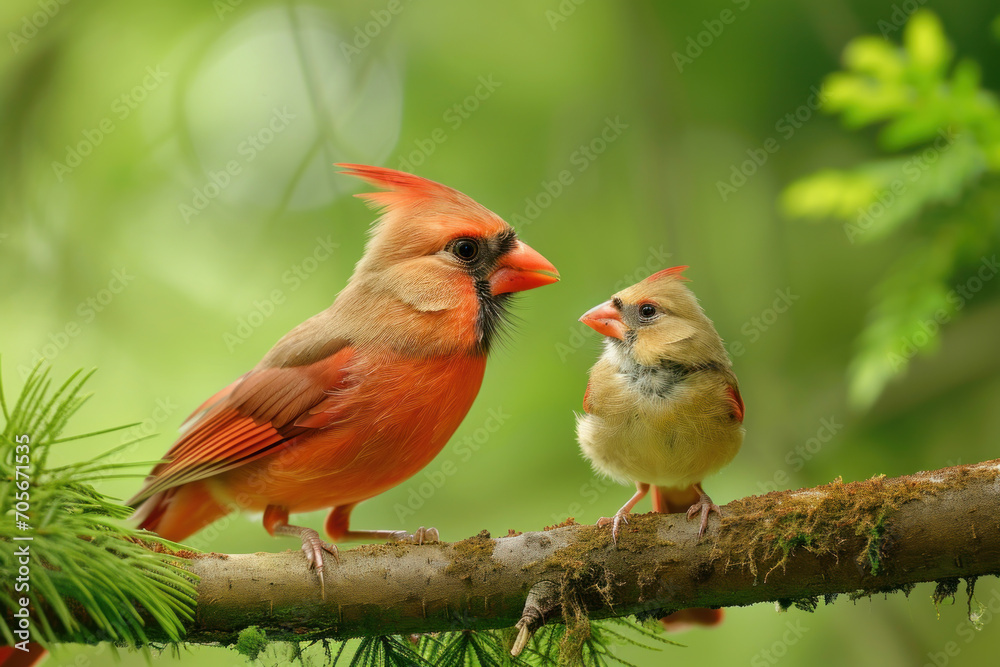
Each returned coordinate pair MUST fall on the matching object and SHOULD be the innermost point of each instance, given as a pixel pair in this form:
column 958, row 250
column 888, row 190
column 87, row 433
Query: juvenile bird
column 363, row 395
column 662, row 408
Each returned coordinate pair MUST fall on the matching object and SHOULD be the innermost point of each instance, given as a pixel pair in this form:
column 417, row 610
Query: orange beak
column 522, row 269
column 605, row 319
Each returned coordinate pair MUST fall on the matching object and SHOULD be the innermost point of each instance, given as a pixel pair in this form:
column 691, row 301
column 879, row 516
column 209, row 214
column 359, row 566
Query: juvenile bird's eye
column 646, row 311
column 465, row 249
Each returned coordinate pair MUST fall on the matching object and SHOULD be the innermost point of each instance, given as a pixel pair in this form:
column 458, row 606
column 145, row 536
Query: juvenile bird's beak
column 605, row 319
column 522, row 269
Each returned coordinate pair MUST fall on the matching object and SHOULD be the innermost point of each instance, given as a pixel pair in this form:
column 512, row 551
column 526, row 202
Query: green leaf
column 876, row 57
column 830, row 194
column 863, row 100
column 937, row 198
column 925, row 43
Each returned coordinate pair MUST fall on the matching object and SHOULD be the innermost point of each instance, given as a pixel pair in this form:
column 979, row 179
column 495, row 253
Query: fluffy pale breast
column 670, row 427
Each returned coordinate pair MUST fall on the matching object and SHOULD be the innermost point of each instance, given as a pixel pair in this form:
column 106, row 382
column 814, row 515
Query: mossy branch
column 866, row 537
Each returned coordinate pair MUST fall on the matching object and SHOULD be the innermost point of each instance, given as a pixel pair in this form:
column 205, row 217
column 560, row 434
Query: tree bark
column 864, row 537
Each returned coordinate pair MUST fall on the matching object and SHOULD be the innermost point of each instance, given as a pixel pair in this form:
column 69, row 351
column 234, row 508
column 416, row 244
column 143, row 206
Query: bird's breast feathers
column 668, row 426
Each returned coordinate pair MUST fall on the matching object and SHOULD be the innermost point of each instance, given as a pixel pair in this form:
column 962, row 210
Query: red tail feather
column 13, row 657
column 671, row 501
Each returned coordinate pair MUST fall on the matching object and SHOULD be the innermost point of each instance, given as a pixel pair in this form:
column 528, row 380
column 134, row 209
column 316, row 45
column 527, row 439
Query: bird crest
column 674, row 272
column 401, row 188
column 425, row 208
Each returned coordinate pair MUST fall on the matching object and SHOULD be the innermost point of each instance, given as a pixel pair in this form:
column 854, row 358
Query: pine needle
column 89, row 575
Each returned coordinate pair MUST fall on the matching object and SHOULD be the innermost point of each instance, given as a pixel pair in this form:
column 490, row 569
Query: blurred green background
column 169, row 205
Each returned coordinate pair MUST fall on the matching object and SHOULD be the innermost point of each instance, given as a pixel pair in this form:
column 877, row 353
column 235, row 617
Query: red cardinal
column 12, row 657
column 663, row 408
column 363, row 395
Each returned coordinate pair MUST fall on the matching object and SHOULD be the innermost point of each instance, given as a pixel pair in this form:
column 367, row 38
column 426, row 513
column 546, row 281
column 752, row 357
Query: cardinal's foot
column 419, row 536
column 704, row 506
column 313, row 547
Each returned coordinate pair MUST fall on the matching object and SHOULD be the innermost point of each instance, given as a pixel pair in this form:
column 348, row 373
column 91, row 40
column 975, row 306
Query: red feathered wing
column 255, row 416
column 736, row 402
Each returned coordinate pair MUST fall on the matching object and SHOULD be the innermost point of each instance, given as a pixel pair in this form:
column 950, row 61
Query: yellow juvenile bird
column 663, row 408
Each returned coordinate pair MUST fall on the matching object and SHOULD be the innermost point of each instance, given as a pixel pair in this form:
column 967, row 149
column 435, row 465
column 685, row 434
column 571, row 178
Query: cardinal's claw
column 427, row 535
column 313, row 547
column 419, row 536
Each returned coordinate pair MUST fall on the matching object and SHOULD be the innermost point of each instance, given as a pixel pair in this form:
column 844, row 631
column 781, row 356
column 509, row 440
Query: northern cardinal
column 662, row 407
column 363, row 395
column 13, row 657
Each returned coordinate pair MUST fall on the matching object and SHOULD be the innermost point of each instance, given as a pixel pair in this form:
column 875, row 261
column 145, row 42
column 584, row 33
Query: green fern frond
column 548, row 646
column 89, row 575
column 468, row 648
column 388, row 651
column 942, row 194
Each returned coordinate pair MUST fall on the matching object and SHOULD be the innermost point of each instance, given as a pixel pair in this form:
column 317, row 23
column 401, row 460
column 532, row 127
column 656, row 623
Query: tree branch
column 864, row 537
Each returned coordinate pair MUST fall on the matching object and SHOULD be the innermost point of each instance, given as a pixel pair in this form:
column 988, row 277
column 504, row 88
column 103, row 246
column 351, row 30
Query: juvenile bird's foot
column 621, row 516
column 704, row 506
column 616, row 521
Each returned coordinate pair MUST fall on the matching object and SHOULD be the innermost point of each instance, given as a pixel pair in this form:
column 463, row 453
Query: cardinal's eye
column 647, row 311
column 465, row 249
